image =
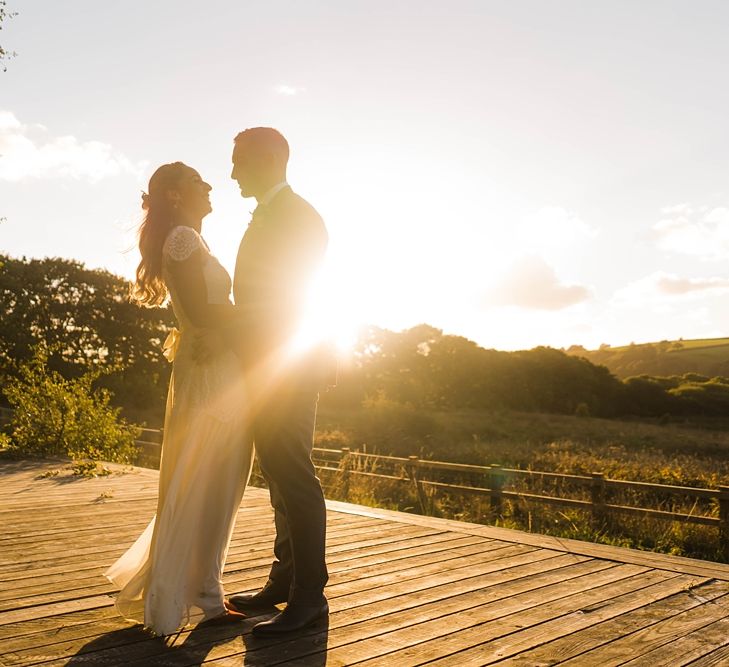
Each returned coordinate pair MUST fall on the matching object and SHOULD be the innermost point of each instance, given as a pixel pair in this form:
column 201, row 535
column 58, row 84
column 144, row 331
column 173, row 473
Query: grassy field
column 677, row 454
column 705, row 356
column 711, row 352
column 685, row 344
column 638, row 450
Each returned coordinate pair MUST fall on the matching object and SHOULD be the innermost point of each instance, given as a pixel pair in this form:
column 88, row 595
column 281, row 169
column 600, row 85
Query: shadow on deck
column 403, row 589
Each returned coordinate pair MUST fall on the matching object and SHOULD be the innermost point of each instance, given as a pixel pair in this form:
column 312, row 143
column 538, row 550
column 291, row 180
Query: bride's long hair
column 149, row 288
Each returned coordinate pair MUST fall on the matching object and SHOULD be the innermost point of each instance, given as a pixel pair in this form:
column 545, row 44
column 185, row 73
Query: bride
column 171, row 575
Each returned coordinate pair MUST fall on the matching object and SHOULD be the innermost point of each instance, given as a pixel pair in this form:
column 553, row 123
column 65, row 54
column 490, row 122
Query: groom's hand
column 207, row 345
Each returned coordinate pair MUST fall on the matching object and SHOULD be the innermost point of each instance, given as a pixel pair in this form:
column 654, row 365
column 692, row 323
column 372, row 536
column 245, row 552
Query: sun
column 330, row 314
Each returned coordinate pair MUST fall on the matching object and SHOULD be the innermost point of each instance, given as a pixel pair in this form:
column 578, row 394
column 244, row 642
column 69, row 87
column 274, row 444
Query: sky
column 521, row 173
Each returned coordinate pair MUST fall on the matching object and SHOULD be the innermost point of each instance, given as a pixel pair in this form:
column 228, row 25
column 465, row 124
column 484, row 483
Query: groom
column 280, row 251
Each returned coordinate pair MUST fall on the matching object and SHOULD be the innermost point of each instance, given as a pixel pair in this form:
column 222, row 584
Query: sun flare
column 330, row 314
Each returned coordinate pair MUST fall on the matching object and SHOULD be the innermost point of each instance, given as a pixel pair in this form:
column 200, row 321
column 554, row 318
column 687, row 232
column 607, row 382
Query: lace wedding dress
column 172, row 574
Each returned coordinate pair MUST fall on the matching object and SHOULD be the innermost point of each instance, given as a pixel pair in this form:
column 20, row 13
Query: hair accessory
column 145, row 201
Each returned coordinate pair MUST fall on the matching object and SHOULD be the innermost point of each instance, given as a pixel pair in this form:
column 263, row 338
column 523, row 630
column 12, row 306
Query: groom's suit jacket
column 277, row 258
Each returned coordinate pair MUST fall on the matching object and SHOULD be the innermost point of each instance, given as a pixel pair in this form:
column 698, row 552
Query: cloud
column 8, row 121
column 289, row 91
column 23, row 155
column 665, row 287
column 667, row 284
column 702, row 233
column 533, row 284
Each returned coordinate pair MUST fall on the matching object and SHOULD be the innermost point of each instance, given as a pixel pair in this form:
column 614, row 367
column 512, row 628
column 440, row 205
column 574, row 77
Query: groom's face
column 246, row 171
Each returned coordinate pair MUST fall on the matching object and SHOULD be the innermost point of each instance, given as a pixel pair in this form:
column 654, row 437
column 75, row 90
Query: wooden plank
column 683, row 650
column 365, row 577
column 390, row 536
column 86, row 492
column 65, row 607
column 79, row 490
column 559, row 620
column 678, row 564
column 250, row 579
column 402, row 594
column 353, row 636
column 98, row 588
column 717, row 658
column 474, row 564
column 65, row 489
column 260, row 527
column 107, row 553
column 241, row 549
column 347, row 556
column 340, row 573
column 21, row 522
column 31, row 535
column 44, row 594
column 459, row 633
column 89, row 498
column 390, row 553
column 403, row 589
column 45, row 625
column 387, row 538
column 618, row 554
column 636, row 632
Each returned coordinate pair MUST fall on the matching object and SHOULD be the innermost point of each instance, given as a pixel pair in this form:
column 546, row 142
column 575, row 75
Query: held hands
column 207, row 344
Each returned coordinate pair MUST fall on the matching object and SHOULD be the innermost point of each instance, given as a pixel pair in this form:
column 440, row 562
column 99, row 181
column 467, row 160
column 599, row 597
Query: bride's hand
column 207, row 344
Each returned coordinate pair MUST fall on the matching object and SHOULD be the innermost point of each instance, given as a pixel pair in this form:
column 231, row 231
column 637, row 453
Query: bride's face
column 194, row 196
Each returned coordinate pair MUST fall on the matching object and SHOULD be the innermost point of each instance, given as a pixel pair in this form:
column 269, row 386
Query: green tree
column 708, row 397
column 465, row 375
column 86, row 318
column 4, row 16
column 396, row 365
column 55, row 416
column 648, row 397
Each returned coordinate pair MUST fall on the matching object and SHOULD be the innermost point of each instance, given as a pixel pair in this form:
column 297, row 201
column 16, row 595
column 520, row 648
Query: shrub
column 582, row 410
column 395, row 428
column 54, row 416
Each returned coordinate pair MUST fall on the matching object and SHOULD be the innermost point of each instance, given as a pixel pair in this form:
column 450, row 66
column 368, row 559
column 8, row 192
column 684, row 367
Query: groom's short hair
column 264, row 139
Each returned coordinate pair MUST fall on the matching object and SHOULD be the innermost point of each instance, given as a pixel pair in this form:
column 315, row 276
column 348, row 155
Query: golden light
column 330, row 314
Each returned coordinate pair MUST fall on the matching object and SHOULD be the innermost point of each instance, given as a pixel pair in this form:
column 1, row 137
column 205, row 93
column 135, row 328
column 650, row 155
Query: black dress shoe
column 269, row 596
column 295, row 617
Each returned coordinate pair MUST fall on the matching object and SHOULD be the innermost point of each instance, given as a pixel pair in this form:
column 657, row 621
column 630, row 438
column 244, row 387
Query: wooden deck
column 403, row 589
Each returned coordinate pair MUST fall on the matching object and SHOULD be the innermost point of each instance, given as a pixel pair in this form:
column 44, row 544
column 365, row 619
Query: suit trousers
column 283, row 432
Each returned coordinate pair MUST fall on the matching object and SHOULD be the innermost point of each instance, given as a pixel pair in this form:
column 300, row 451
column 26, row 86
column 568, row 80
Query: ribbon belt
column 169, row 347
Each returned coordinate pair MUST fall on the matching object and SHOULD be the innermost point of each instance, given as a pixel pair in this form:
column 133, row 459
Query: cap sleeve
column 181, row 242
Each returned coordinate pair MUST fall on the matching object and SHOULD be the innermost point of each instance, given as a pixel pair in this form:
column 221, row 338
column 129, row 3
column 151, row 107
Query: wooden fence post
column 724, row 521
column 597, row 497
column 344, row 463
column 412, row 468
column 496, row 485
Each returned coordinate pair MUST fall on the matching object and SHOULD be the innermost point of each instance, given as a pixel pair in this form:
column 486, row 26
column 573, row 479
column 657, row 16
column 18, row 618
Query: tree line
column 85, row 318
column 426, row 368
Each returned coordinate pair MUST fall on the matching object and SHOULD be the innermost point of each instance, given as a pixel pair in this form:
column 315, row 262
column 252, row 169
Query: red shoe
column 230, row 614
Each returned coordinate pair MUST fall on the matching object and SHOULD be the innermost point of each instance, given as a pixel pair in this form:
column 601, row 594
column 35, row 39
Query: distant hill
column 704, row 356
